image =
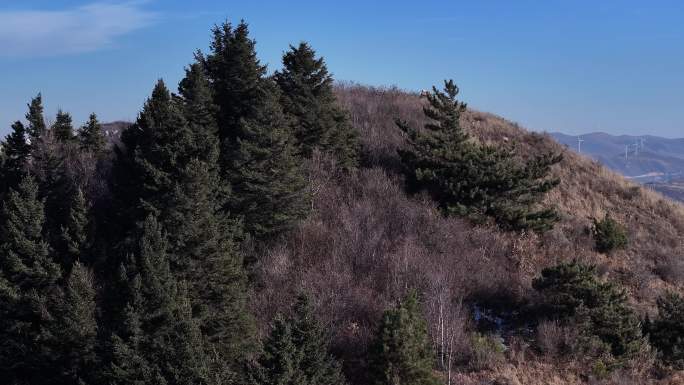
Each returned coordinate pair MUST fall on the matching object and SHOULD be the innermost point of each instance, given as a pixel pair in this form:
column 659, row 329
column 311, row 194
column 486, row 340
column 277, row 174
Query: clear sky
column 551, row 65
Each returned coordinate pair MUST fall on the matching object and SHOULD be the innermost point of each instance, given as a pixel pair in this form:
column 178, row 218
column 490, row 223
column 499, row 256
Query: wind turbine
column 579, row 144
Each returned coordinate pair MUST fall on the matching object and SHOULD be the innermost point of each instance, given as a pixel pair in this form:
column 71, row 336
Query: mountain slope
column 367, row 241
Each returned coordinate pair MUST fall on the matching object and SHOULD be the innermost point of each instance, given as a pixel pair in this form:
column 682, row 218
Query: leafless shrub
column 671, row 269
column 555, row 340
column 486, row 352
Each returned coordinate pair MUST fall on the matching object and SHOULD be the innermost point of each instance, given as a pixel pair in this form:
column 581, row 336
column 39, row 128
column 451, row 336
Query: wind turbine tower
column 579, row 144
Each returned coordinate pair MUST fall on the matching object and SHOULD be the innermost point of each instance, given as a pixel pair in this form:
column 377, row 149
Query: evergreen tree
column 76, row 328
column 75, row 232
column 236, row 78
column 296, row 352
column 402, row 353
column 205, row 255
column 666, row 332
column 36, row 121
column 467, row 178
column 159, row 342
column 203, row 232
column 257, row 154
column 169, row 169
column 29, row 293
column 308, row 99
column 572, row 293
column 63, row 129
column 54, row 186
column 91, row 136
column 199, row 111
column 16, row 151
column 269, row 189
column 156, row 147
column 608, row 234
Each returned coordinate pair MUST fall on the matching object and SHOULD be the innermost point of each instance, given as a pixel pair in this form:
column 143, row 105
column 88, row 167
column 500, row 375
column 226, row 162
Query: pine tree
column 402, row 353
column 608, row 234
column 236, row 78
column 257, row 155
column 205, row 255
column 54, row 186
column 91, row 136
column 16, row 151
column 296, row 352
column 573, row 293
column 199, row 111
column 75, row 232
column 471, row 179
column 36, row 121
column 308, row 99
column 266, row 176
column 666, row 331
column 156, row 147
column 169, row 169
column 29, row 291
column 203, row 232
column 63, row 129
column 76, row 328
column 317, row 364
column 159, row 342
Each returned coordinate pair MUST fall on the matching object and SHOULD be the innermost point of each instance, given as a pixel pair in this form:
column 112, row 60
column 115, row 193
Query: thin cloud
column 83, row 29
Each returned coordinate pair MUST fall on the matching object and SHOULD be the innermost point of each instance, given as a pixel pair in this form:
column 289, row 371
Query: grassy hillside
column 367, row 242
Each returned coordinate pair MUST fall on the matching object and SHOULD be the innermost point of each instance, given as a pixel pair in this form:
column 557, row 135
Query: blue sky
column 551, row 65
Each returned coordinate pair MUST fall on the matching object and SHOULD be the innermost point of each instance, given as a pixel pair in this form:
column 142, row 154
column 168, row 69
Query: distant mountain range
column 644, row 158
column 655, row 161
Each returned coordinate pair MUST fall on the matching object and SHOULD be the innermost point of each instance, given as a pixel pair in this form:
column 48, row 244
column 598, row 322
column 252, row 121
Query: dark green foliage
column 200, row 110
column 666, row 332
column 16, row 151
column 63, row 128
column 573, row 293
column 169, row 169
column 257, row 154
column 74, row 233
column 36, row 121
column 54, row 186
column 76, row 328
column 29, row 293
column 205, row 255
column 91, row 137
column 296, row 352
column 269, row 189
column 204, row 233
column 308, row 100
column 158, row 342
column 156, row 148
column 236, row 77
column 25, row 254
column 402, row 352
column 471, row 179
column 609, row 235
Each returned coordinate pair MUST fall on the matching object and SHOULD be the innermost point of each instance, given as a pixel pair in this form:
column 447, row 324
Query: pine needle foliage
column 309, row 101
column 666, row 331
column 609, row 235
column 573, row 293
column 402, row 352
column 471, row 179
column 296, row 352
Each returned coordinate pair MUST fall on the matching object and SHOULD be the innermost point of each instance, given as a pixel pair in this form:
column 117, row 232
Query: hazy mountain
column 646, row 158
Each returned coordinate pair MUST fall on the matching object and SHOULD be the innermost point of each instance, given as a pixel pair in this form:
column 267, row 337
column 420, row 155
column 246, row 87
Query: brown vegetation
column 367, row 242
